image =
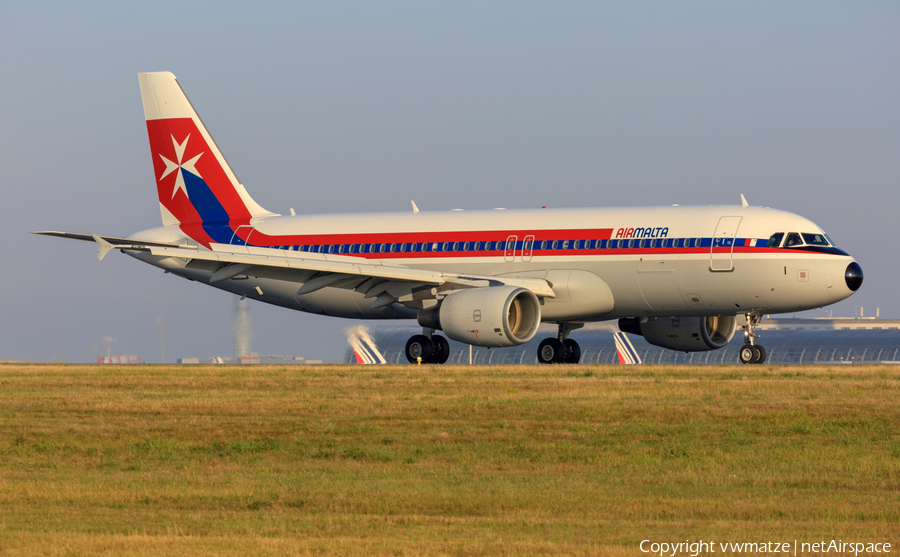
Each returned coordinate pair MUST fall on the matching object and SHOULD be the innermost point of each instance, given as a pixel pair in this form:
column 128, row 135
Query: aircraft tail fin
column 627, row 354
column 363, row 345
column 197, row 188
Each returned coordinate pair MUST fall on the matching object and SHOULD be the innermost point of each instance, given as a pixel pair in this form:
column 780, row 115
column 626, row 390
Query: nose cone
column 853, row 276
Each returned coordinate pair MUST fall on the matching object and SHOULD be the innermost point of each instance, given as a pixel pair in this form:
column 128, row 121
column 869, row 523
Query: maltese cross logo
column 182, row 166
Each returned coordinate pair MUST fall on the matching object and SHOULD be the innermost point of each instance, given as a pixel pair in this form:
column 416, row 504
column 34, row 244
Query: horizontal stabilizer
column 116, row 242
column 108, row 243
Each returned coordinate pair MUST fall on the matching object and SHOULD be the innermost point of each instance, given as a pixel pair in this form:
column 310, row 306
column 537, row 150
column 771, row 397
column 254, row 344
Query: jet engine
column 687, row 334
column 490, row 316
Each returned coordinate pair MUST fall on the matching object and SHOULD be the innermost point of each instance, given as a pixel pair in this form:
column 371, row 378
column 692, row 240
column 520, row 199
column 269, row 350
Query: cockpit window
column 815, row 239
column 793, row 239
column 797, row 239
column 775, row 240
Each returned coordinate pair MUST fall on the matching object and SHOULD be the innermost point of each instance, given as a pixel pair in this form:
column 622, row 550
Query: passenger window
column 446, row 246
column 466, row 246
column 414, row 246
column 643, row 243
column 565, row 244
column 775, row 240
column 815, row 239
column 793, row 239
column 527, row 245
column 341, row 248
column 630, row 244
column 698, row 243
column 383, row 248
column 543, row 244
column 555, row 244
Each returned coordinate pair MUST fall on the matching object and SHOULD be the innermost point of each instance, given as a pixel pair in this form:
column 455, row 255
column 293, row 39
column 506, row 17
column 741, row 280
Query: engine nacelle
column 687, row 334
column 490, row 316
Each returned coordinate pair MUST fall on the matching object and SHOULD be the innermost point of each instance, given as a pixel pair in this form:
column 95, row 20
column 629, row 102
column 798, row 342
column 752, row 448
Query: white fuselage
column 693, row 260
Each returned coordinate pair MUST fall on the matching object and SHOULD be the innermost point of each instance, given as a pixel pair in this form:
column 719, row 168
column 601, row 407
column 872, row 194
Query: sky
column 330, row 107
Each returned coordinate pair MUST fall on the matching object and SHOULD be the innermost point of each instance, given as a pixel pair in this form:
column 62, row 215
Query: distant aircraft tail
column 627, row 354
column 197, row 188
column 363, row 346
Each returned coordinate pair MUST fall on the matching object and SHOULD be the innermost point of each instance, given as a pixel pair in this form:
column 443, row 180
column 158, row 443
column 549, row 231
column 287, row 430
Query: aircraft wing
column 386, row 282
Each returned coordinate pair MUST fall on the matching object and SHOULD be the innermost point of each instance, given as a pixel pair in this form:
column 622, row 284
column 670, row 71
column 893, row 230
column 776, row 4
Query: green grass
column 189, row 460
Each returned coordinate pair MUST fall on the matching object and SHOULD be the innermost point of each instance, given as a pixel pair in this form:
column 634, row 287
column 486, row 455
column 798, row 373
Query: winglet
column 415, row 209
column 104, row 247
column 744, row 201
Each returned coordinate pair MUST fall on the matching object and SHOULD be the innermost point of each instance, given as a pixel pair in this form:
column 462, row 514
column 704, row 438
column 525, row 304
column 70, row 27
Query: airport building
column 787, row 341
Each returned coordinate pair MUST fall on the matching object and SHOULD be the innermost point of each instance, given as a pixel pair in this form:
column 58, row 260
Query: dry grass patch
column 450, row 460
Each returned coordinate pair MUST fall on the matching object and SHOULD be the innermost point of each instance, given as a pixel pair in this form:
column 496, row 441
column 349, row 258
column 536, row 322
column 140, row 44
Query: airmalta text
column 642, row 232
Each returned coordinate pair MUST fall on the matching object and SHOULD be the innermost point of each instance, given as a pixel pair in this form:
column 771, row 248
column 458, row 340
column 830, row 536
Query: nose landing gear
column 562, row 349
column 752, row 353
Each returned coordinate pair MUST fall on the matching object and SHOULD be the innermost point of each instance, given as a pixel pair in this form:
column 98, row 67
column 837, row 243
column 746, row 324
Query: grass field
column 320, row 460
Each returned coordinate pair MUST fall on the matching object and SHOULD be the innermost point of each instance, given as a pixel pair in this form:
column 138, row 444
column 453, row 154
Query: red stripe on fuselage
column 263, row 240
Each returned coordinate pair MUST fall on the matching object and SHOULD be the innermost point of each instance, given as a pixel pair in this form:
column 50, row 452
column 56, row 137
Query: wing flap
column 264, row 257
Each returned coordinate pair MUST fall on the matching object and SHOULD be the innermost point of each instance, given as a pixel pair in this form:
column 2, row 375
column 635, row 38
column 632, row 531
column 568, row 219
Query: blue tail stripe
column 203, row 199
column 212, row 214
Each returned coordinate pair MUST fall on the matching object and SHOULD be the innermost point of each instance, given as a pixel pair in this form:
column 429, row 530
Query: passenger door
column 722, row 249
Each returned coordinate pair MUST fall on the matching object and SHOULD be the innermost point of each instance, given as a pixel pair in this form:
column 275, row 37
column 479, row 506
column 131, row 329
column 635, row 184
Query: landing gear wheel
column 761, row 354
column 573, row 352
column 748, row 354
column 551, row 351
column 419, row 346
column 441, row 349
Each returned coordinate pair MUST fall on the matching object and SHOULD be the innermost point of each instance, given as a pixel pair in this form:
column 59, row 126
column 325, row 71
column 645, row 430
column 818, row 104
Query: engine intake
column 493, row 316
column 687, row 334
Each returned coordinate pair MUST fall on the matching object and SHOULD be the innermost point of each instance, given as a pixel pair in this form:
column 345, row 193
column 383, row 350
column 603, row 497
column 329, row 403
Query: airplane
column 365, row 351
column 685, row 278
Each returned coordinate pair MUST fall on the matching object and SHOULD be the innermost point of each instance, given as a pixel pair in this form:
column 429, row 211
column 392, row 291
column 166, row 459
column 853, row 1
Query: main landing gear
column 752, row 353
column 432, row 348
column 562, row 349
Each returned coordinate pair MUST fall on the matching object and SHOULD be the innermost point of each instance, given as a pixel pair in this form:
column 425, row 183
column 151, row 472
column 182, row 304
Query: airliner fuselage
column 627, row 262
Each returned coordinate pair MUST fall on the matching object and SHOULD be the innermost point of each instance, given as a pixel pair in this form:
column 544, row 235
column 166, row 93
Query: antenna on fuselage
column 744, row 201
